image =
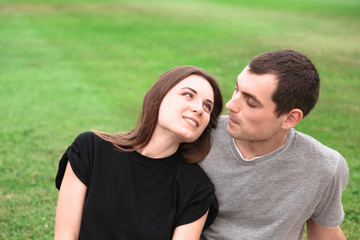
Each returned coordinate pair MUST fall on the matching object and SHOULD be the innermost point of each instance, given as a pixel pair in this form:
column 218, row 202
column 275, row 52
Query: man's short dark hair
column 298, row 83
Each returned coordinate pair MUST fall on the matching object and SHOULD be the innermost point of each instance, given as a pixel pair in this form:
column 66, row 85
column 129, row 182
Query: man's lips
column 232, row 120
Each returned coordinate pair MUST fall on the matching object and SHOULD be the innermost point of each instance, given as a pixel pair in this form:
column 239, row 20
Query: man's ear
column 292, row 118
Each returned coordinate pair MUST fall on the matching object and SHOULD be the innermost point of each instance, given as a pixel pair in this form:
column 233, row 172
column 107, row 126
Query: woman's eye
column 207, row 107
column 187, row 94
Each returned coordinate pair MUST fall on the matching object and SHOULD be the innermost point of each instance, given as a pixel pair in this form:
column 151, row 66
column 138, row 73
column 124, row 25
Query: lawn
column 72, row 66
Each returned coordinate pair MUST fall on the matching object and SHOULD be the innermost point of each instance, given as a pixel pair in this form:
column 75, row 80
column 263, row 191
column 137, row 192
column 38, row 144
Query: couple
column 269, row 178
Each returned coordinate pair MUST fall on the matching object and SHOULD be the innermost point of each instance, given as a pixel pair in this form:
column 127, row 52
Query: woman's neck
column 159, row 147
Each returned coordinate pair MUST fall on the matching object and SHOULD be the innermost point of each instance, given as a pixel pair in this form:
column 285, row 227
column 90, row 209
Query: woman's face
column 185, row 110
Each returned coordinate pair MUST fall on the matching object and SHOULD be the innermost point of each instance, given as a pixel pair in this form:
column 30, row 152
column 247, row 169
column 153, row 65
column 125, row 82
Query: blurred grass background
column 71, row 66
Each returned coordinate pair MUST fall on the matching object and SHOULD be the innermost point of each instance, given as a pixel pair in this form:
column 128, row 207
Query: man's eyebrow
column 253, row 98
column 193, row 90
column 250, row 95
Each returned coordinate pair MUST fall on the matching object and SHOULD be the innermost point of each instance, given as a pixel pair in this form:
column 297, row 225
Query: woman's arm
column 69, row 207
column 190, row 231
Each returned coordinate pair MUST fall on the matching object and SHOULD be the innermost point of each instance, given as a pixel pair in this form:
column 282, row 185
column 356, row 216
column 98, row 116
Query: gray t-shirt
column 272, row 196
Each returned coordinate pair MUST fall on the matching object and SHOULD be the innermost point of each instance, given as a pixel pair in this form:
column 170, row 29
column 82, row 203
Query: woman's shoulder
column 88, row 138
column 194, row 174
column 88, row 142
column 196, row 195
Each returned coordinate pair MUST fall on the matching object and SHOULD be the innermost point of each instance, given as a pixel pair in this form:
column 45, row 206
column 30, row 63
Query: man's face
column 251, row 109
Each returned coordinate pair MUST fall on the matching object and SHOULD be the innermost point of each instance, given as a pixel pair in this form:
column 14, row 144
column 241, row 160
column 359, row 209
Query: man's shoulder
column 308, row 147
column 223, row 118
column 221, row 148
column 220, row 135
column 311, row 143
column 222, row 125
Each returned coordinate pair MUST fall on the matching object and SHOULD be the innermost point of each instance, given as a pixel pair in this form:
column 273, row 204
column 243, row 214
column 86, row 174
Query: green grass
column 70, row 67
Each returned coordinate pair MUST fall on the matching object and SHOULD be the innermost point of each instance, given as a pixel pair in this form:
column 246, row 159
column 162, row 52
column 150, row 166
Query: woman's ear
column 292, row 118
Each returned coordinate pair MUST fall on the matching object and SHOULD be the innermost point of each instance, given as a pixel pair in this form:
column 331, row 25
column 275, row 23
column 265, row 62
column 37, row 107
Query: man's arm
column 315, row 231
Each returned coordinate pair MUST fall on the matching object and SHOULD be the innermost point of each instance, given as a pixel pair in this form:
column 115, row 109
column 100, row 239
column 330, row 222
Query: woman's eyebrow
column 190, row 89
column 209, row 101
column 193, row 90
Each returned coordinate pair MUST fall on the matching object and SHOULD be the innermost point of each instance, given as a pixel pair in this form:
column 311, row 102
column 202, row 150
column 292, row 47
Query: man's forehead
column 246, row 71
column 260, row 85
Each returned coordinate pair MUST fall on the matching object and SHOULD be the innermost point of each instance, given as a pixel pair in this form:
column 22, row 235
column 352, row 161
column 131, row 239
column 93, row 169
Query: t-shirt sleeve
column 80, row 158
column 329, row 212
column 197, row 195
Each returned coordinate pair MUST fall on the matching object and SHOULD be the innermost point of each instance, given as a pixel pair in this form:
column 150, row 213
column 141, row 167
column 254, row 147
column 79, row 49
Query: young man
column 269, row 178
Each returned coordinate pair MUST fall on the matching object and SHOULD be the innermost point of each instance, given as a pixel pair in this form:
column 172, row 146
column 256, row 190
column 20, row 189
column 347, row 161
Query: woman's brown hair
column 140, row 136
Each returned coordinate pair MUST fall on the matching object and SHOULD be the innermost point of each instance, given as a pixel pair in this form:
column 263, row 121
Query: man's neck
column 252, row 149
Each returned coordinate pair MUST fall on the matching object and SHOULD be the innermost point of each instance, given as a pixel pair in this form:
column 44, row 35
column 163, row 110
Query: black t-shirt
column 131, row 196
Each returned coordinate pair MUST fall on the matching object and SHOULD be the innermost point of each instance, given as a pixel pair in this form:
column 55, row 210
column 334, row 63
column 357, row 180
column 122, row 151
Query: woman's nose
column 197, row 107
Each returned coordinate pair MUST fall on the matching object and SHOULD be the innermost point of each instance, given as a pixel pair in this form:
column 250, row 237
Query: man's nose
column 233, row 104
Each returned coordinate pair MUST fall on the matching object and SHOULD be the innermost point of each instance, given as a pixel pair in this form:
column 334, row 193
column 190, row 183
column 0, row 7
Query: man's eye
column 248, row 102
column 250, row 105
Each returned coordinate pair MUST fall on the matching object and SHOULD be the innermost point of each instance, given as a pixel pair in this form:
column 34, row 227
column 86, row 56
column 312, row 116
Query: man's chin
column 230, row 132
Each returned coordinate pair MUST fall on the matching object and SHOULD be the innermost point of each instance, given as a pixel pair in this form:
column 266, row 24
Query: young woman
column 143, row 184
